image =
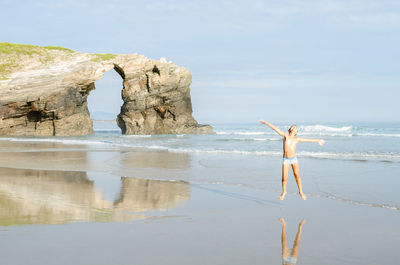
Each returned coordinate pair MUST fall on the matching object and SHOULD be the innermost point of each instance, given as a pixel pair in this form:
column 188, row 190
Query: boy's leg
column 285, row 249
column 285, row 171
column 295, row 249
column 295, row 168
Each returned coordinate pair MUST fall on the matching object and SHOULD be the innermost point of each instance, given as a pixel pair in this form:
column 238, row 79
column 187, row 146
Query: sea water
column 358, row 141
column 359, row 163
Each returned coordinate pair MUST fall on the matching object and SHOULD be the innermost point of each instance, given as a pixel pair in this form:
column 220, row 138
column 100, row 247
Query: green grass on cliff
column 26, row 49
column 5, row 69
column 11, row 53
column 103, row 57
column 58, row 48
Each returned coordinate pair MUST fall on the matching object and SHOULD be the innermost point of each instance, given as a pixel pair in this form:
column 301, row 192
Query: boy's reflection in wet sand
column 290, row 258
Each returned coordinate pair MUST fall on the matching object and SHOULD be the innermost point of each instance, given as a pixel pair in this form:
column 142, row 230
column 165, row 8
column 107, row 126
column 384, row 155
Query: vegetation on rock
column 26, row 49
column 13, row 56
column 103, row 57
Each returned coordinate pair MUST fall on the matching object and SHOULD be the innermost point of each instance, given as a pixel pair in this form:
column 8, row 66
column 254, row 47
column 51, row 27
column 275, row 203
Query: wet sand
column 74, row 205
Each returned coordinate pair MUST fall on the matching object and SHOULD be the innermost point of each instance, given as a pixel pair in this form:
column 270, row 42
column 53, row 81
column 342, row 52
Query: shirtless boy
column 290, row 141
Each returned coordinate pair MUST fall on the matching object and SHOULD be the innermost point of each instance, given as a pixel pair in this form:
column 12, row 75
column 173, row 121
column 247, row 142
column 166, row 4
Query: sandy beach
column 131, row 206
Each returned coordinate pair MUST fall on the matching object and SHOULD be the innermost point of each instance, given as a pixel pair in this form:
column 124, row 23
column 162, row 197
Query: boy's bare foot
column 303, row 196
column 282, row 221
column 282, row 195
column 302, row 222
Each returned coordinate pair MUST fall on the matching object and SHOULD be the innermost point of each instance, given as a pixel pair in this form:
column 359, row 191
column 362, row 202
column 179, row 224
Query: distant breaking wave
column 55, row 140
column 317, row 130
column 378, row 134
column 249, row 139
column 242, row 133
column 388, row 156
column 322, row 155
column 323, row 128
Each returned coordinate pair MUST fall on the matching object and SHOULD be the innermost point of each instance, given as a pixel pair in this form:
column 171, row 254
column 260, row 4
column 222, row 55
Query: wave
column 61, row 141
column 137, row 136
column 326, row 134
column 234, row 152
column 357, row 202
column 266, row 139
column 248, row 139
column 303, row 129
column 351, row 155
column 349, row 134
column 378, row 134
column 317, row 130
column 322, row 155
column 241, row 133
column 323, row 128
column 106, row 130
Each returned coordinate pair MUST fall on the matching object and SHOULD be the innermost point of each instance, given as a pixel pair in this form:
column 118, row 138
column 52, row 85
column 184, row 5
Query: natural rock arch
column 51, row 99
column 105, row 101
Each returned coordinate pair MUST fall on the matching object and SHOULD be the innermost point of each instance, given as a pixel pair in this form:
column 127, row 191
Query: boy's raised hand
column 321, row 142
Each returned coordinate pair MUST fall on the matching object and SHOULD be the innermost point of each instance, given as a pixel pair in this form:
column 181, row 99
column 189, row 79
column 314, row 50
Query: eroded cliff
column 44, row 90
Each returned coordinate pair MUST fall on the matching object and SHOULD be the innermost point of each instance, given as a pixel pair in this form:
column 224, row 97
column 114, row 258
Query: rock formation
column 44, row 90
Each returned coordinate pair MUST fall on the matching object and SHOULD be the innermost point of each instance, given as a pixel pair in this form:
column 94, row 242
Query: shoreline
column 128, row 204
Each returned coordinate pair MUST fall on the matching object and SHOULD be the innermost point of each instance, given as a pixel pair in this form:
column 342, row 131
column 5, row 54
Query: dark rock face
column 157, row 100
column 52, row 99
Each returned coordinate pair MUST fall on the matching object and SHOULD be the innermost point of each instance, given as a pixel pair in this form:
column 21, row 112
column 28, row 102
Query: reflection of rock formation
column 140, row 195
column 157, row 159
column 48, row 159
column 53, row 197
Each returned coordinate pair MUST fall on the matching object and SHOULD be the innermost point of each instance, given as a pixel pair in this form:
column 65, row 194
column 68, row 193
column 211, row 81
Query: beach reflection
column 56, row 197
column 156, row 159
column 289, row 257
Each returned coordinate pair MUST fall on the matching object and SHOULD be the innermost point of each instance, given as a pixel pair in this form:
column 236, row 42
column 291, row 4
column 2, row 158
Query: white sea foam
column 249, row 133
column 55, row 140
column 249, row 139
column 318, row 130
column 388, row 156
column 137, row 136
column 309, row 129
column 234, row 152
column 343, row 134
column 326, row 155
column 360, row 203
column 223, row 133
column 325, row 134
column 351, row 155
column 378, row 134
column 241, row 133
column 266, row 139
column 323, row 128
column 107, row 130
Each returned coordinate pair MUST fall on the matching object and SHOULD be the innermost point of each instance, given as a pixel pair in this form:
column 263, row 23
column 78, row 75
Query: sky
column 284, row 61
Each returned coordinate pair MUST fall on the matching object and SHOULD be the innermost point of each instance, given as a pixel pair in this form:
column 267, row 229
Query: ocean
column 363, row 141
column 171, row 198
column 358, row 141
column 358, row 164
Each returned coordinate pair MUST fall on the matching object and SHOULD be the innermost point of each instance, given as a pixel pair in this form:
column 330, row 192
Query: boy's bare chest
column 289, row 143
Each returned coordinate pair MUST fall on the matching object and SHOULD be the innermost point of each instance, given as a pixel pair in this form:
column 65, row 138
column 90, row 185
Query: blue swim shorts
column 289, row 161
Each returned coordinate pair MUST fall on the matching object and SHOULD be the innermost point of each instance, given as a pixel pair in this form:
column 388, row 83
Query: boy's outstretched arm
column 310, row 140
column 273, row 127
